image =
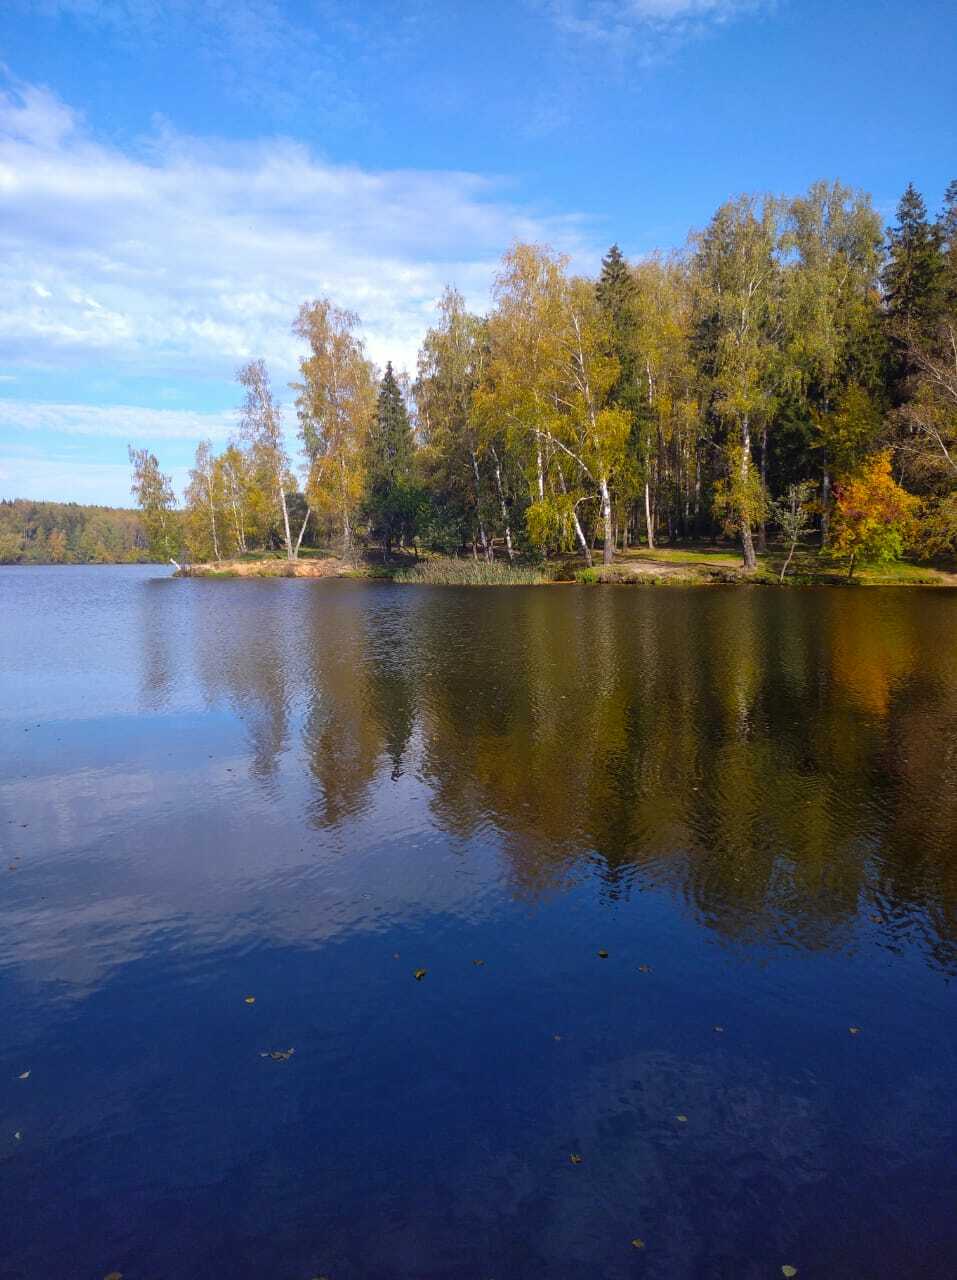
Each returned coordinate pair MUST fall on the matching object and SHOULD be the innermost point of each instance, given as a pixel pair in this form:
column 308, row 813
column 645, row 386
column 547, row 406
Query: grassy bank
column 663, row 567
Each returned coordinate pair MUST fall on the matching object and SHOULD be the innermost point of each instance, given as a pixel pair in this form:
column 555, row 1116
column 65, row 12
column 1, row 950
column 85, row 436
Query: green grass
column 680, row 555
column 471, row 573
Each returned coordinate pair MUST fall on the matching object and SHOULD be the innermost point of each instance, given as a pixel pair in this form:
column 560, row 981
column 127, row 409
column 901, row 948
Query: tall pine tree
column 390, row 498
column 617, row 293
column 947, row 231
column 913, row 276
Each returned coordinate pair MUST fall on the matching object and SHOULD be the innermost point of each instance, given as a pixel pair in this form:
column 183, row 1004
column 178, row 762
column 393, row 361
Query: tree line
column 790, row 374
column 69, row 533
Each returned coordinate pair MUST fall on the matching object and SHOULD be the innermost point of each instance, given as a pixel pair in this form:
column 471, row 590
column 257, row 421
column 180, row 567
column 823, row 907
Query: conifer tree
column 947, row 233
column 913, row 276
column 390, row 497
column 616, row 292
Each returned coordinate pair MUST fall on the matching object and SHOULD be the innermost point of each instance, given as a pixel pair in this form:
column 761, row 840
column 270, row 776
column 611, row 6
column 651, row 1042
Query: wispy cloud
column 69, row 479
column 649, row 29
column 193, row 254
column 256, row 49
column 124, row 422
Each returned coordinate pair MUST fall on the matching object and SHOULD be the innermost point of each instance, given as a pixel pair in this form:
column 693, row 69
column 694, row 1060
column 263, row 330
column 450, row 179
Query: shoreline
column 641, row 570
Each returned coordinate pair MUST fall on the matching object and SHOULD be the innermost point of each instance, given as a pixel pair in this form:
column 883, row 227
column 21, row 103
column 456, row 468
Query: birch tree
column 335, row 401
column 261, row 429
column 832, row 241
column 153, row 491
column 203, row 500
column 452, row 366
column 738, row 284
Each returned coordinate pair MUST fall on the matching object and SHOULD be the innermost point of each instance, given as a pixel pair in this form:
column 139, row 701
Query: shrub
column 471, row 573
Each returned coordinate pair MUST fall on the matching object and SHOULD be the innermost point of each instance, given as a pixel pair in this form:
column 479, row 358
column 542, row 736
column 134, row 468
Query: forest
column 68, row 533
column 788, row 378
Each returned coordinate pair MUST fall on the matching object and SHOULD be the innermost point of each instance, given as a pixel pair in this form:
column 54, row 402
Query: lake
column 237, row 817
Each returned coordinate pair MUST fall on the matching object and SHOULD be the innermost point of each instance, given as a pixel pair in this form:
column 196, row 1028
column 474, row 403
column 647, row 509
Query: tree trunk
column 303, row 530
column 608, row 549
column 762, row 527
column 212, row 517
column 478, row 505
column 825, row 503
column 582, row 540
column 649, row 523
column 502, row 504
column 747, row 542
column 290, row 554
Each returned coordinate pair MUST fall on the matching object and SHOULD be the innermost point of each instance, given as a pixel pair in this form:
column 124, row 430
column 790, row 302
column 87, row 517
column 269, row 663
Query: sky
column 178, row 176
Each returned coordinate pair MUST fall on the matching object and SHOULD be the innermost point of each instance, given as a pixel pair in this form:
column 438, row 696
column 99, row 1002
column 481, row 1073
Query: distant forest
column 67, row 533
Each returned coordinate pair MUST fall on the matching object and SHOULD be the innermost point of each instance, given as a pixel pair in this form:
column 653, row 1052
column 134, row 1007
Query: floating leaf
column 788, row 1270
column 24, row 1075
column 682, row 1119
column 556, row 1037
column 420, row 974
column 250, row 999
column 644, row 968
column 637, row 1243
column 719, row 1028
column 114, row 1275
column 854, row 1030
column 478, row 963
column 603, row 954
column 17, row 1136
column 575, row 1158
column 278, row 1055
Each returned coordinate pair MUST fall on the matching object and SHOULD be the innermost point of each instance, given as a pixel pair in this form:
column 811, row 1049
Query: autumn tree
column 589, row 427
column 667, row 416
column 335, row 401
column 830, row 330
column 203, row 502
column 871, row 514
column 738, row 285
column 261, row 430
column 153, row 491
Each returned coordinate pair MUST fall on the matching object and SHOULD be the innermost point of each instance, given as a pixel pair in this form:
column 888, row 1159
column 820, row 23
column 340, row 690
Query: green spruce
column 391, row 498
column 913, row 275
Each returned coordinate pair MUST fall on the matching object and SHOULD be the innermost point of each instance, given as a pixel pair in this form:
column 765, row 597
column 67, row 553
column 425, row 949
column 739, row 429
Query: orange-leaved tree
column 871, row 514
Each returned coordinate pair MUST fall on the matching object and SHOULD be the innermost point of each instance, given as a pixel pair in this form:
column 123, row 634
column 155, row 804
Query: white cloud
column 125, row 422
column 69, row 479
column 192, row 255
column 647, row 27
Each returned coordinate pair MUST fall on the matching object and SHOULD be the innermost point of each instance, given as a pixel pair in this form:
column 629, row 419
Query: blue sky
column 176, row 176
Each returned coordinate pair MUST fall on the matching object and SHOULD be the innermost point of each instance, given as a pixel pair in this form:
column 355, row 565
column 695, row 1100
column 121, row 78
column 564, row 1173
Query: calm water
column 303, row 792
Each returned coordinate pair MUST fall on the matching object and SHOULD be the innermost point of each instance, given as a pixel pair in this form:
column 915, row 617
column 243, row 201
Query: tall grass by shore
column 471, row 573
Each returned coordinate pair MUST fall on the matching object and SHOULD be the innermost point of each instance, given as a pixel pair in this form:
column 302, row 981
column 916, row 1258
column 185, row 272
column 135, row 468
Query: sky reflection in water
column 305, row 791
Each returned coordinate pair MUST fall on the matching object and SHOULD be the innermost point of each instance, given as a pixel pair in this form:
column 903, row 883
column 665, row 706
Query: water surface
column 305, row 791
